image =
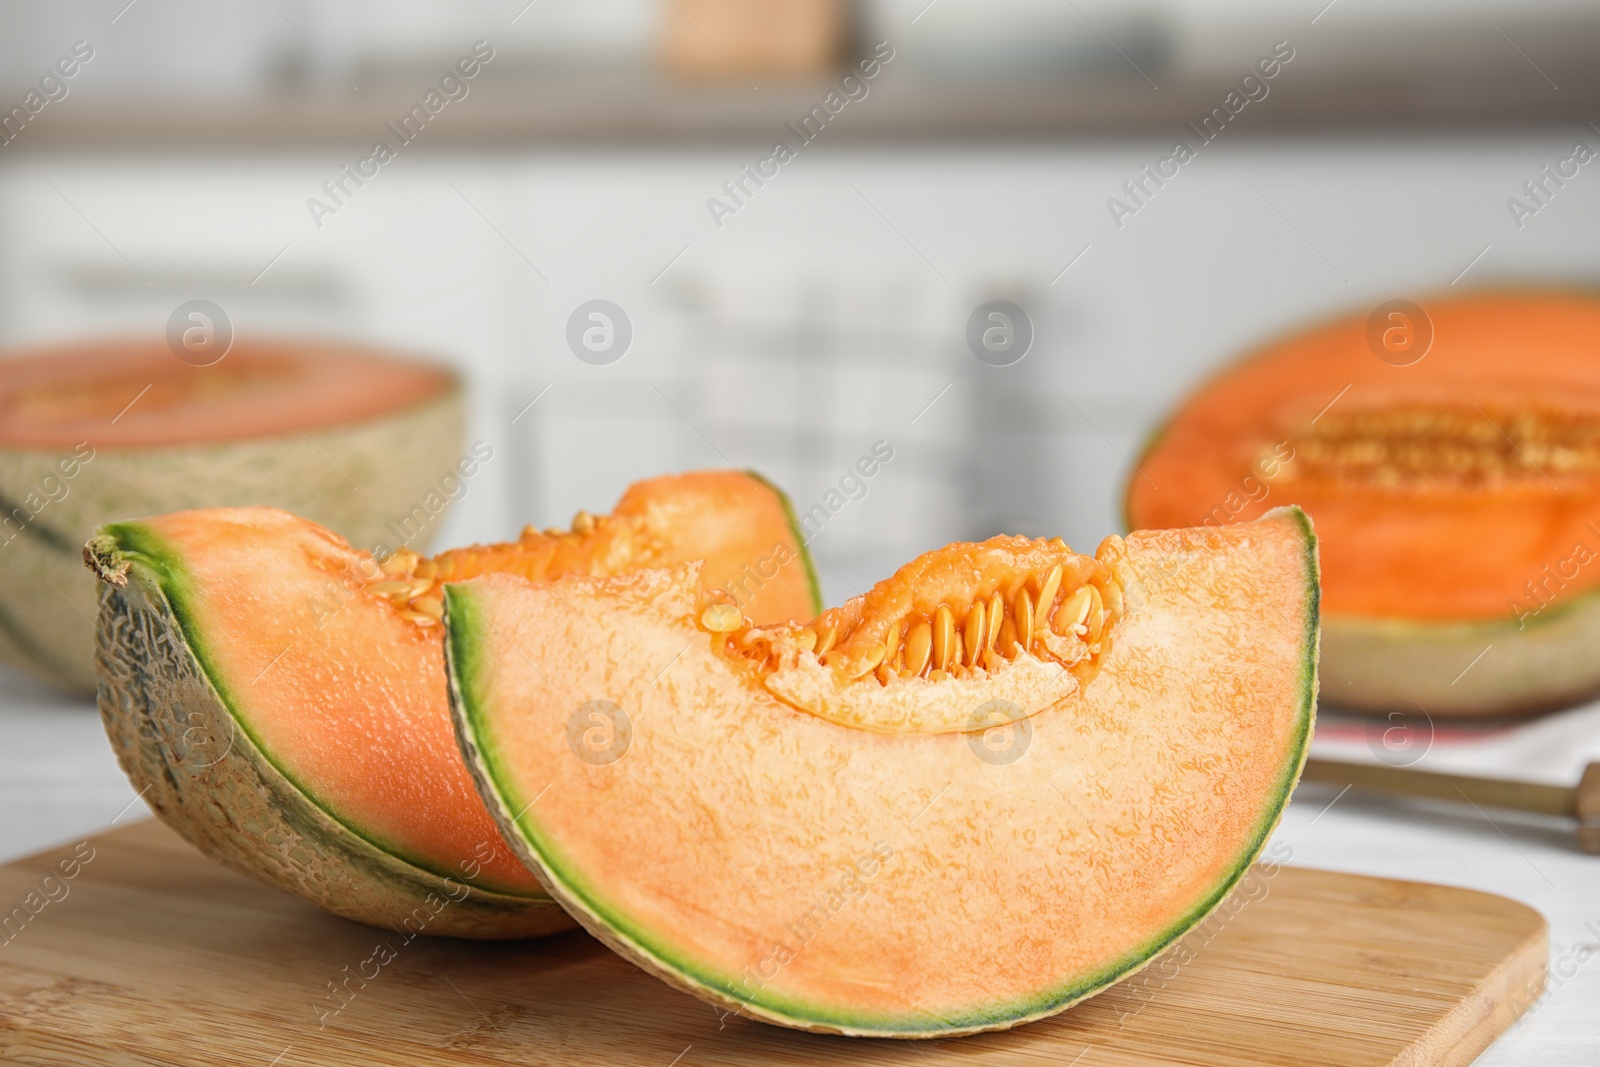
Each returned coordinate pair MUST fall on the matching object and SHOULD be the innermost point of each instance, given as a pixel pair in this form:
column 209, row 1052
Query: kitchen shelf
column 522, row 113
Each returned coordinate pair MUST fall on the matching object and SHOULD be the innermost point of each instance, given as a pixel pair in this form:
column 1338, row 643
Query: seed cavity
column 414, row 584
column 1445, row 445
column 1058, row 612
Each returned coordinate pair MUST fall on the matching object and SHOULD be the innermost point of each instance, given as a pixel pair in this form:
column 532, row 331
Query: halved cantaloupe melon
column 357, row 440
column 1014, row 774
column 1455, row 483
column 279, row 697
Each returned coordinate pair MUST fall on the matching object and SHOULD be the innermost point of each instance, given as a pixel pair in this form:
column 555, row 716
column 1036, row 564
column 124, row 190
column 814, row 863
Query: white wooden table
column 59, row 781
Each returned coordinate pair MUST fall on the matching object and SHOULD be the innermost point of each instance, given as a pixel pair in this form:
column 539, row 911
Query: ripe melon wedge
column 1450, row 455
column 91, row 432
column 279, row 697
column 1015, row 774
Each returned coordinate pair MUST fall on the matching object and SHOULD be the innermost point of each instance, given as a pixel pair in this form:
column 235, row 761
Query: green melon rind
column 812, row 582
column 162, row 562
column 465, row 642
column 196, row 764
column 396, row 458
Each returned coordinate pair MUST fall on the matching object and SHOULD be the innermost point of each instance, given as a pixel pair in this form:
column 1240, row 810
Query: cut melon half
column 1449, row 452
column 279, row 697
column 93, row 431
column 996, row 784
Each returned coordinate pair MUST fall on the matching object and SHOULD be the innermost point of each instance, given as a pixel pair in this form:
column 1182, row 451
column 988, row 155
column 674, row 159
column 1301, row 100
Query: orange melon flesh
column 738, row 524
column 1441, row 490
column 874, row 877
column 340, row 681
column 136, row 394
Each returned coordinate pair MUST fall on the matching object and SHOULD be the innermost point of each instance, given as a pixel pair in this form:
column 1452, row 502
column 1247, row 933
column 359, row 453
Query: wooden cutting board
column 152, row 954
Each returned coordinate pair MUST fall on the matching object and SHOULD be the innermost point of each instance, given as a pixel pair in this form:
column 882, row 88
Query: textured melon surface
column 94, row 433
column 1456, row 496
column 862, row 867
column 1464, row 670
column 317, row 685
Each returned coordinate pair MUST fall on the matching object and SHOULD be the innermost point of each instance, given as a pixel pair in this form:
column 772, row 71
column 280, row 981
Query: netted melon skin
column 205, row 778
column 355, row 479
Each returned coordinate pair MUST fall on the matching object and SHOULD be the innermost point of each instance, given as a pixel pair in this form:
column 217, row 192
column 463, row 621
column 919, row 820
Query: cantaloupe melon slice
column 279, row 697
column 1014, row 775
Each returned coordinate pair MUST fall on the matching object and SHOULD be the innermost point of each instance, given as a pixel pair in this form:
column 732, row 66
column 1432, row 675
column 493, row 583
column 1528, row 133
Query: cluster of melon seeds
column 414, row 584
column 960, row 611
column 1446, row 446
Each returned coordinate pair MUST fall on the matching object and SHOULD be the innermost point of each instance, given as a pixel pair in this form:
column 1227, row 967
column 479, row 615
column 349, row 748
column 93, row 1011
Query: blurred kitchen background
column 828, row 309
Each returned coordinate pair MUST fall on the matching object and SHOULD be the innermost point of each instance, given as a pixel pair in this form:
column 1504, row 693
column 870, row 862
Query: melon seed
column 720, row 618
column 892, row 642
column 1024, row 618
column 1074, row 609
column 875, row 656
column 1096, row 616
column 1112, row 594
column 919, row 645
column 1047, row 595
column 997, row 611
column 944, row 636
column 972, row 631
